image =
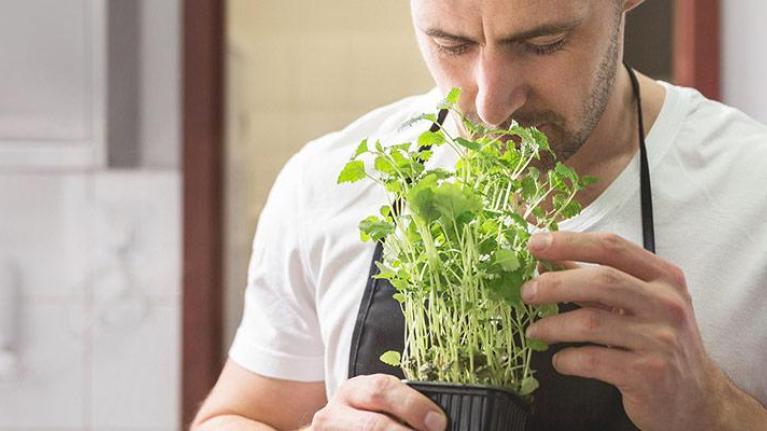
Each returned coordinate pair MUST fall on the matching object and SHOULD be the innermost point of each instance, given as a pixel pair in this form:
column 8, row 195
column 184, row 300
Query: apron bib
column 561, row 402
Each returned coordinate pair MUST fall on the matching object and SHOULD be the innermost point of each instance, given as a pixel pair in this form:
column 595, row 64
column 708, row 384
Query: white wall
column 95, row 253
column 744, row 63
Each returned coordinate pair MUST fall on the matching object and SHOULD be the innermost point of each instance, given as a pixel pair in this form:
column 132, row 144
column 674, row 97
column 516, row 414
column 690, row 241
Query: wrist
column 738, row 410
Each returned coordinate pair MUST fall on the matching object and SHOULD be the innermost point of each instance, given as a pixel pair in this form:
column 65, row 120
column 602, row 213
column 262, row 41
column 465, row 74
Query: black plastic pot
column 476, row 408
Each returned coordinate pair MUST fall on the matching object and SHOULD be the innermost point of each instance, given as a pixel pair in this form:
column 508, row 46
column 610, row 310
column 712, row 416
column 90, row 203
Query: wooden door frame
column 697, row 46
column 696, row 63
column 203, row 156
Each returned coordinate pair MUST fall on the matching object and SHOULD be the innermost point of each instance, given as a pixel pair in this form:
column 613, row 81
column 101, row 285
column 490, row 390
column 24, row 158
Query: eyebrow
column 542, row 30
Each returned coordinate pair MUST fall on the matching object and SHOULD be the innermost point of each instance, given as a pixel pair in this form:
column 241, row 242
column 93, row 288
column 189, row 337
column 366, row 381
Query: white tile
column 43, row 220
column 50, row 390
column 138, row 213
column 135, row 375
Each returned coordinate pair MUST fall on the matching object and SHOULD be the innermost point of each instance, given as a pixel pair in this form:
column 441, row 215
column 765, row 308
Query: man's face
column 545, row 63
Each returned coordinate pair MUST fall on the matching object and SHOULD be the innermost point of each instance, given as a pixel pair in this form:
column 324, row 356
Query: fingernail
column 540, row 242
column 435, row 421
column 529, row 290
column 530, row 333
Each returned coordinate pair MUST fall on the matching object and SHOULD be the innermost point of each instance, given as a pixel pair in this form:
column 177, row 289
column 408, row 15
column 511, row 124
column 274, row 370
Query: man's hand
column 638, row 312
column 379, row 402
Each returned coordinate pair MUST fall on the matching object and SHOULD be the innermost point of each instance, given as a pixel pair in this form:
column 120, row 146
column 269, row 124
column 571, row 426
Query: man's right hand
column 378, row 402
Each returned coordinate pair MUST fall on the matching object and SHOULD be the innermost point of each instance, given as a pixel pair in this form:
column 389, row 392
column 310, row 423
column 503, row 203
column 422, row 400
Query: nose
column 500, row 88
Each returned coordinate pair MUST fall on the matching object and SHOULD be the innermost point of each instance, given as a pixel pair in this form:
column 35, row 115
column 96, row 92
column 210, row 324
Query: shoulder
column 314, row 169
column 718, row 150
column 713, row 128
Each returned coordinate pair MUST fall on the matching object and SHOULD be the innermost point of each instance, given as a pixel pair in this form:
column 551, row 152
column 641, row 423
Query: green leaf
column 566, row 172
column 423, row 117
column 384, row 166
column 393, row 186
column 490, row 227
column 451, row 99
column 431, row 139
column 391, row 358
column 352, row 172
column 468, row 144
column 399, row 297
column 529, row 187
column 453, row 95
column 507, row 259
column 540, row 139
column 361, row 149
column 375, row 228
column 455, row 202
column 548, row 310
column 571, row 210
column 440, row 173
column 537, row 345
column 421, row 198
column 507, row 287
column 588, row 180
column 529, row 385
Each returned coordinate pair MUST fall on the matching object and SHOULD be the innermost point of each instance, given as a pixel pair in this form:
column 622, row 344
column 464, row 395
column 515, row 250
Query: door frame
column 203, row 65
column 696, row 62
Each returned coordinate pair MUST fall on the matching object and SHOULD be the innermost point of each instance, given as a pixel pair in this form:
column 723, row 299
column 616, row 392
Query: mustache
column 524, row 119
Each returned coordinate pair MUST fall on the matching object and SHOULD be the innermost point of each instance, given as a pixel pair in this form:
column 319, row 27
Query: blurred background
column 139, row 140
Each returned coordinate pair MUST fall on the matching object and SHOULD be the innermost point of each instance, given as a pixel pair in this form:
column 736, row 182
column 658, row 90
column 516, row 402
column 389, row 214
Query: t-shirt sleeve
column 279, row 334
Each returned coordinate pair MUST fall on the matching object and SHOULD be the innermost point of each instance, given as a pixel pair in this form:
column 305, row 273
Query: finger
column 590, row 325
column 591, row 284
column 561, row 266
column 342, row 417
column 387, row 394
column 604, row 249
column 595, row 362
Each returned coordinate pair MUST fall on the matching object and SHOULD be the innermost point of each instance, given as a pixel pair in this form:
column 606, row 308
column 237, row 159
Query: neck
column 615, row 139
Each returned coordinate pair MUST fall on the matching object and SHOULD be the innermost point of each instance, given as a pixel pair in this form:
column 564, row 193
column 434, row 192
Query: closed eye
column 452, row 46
column 545, row 49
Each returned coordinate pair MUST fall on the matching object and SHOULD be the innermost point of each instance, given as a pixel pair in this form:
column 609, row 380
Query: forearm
column 230, row 423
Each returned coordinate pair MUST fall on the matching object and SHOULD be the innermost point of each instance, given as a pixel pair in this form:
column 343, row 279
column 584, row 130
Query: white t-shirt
column 708, row 165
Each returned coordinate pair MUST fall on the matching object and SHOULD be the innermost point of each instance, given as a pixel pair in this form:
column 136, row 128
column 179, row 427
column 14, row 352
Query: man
column 679, row 334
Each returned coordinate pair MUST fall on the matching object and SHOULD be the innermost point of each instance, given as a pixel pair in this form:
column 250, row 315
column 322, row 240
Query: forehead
column 496, row 16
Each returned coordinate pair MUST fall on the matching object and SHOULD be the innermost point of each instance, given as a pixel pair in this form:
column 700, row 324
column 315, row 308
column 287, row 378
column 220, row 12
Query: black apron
column 561, row 402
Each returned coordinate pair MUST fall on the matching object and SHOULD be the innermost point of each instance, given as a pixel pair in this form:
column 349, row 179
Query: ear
column 630, row 4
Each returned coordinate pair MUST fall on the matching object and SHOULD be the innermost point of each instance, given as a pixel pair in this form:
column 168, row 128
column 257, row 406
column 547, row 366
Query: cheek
column 559, row 85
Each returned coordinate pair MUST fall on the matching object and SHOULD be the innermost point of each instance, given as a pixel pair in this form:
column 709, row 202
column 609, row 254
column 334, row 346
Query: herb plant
column 455, row 246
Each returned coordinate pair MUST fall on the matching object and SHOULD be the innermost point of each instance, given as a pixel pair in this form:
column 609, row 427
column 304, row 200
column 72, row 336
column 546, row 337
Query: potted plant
column 455, row 249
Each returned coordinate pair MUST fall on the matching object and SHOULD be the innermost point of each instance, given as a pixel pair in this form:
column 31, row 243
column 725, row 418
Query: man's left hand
column 638, row 313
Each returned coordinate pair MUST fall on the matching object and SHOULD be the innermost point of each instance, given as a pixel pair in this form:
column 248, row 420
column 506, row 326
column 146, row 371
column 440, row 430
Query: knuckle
column 675, row 309
column 321, row 420
column 591, row 321
column 667, row 338
column 612, row 244
column 678, row 277
column 588, row 360
column 608, row 276
column 377, row 386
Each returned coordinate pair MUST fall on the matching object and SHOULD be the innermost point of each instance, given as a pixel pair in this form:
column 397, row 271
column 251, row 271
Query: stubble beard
column 565, row 143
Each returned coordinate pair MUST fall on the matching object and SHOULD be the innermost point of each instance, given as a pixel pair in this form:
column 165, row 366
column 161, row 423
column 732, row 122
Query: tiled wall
column 95, row 255
column 297, row 70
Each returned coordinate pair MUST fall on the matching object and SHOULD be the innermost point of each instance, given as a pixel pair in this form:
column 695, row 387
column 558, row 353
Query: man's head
column 545, row 63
